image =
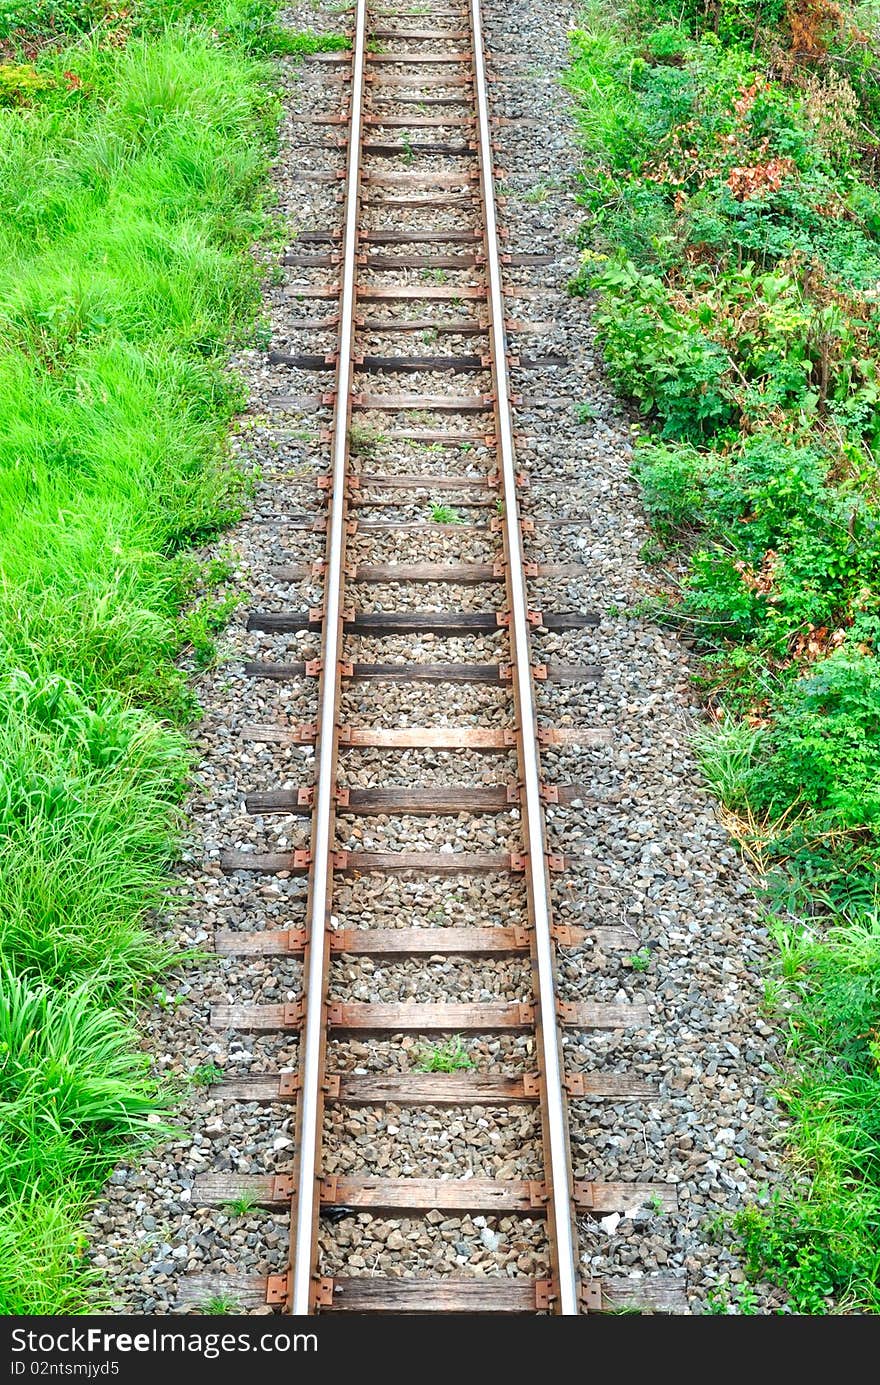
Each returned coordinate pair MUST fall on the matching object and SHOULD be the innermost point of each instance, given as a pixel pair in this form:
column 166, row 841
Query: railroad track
column 417, row 380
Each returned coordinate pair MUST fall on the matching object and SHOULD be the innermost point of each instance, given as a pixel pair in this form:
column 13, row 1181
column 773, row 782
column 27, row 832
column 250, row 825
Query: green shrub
column 732, row 234
column 666, row 362
column 20, row 82
column 824, row 747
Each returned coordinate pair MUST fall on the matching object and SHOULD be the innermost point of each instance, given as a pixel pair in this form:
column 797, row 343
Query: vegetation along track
column 404, row 326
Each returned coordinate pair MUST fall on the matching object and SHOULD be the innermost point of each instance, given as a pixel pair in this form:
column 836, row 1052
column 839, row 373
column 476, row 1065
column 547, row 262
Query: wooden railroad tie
column 663, row 1292
column 417, row 622
column 434, row 1089
column 403, row 942
column 487, row 1196
column 426, row 737
column 441, row 1018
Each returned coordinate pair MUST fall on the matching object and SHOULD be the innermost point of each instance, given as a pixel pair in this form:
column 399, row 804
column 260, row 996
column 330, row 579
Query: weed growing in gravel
column 741, row 1301
column 241, row 1206
column 365, row 442
column 654, row 551
column 444, row 514
column 538, row 193
column 201, row 623
column 206, row 1075
column 449, row 1056
column 221, row 1306
column 283, row 41
column 641, row 960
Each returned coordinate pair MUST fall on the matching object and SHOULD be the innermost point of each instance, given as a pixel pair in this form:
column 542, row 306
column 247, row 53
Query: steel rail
column 558, row 1175
column 302, row 1283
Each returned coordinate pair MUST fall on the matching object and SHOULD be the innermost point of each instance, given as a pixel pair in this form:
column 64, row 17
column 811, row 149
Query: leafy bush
column 659, row 357
column 733, row 243
column 20, row 82
column 824, row 746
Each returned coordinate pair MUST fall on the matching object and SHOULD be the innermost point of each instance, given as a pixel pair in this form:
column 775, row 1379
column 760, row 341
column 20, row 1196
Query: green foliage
column 73, row 1094
column 665, row 360
column 202, row 623
column 728, row 754
column 51, row 16
column 132, row 166
column 301, row 45
column 448, row 1056
column 249, row 26
column 42, row 1264
column 641, row 960
column 122, row 281
column 444, row 514
column 221, row 1305
column 241, row 1206
column 87, row 796
column 732, row 240
column 206, row 1075
column 822, row 752
column 20, row 83
column 69, row 1072
column 822, row 1246
column 364, row 441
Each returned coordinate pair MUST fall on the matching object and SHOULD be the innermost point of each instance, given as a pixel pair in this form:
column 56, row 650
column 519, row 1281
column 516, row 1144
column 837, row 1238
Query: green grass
column 42, row 1265
column 221, row 1306
column 74, row 1097
column 364, row 442
column 303, row 45
column 86, row 831
column 448, row 1056
column 241, row 1206
column 134, row 151
column 823, row 1248
column 444, row 514
column 206, row 1075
